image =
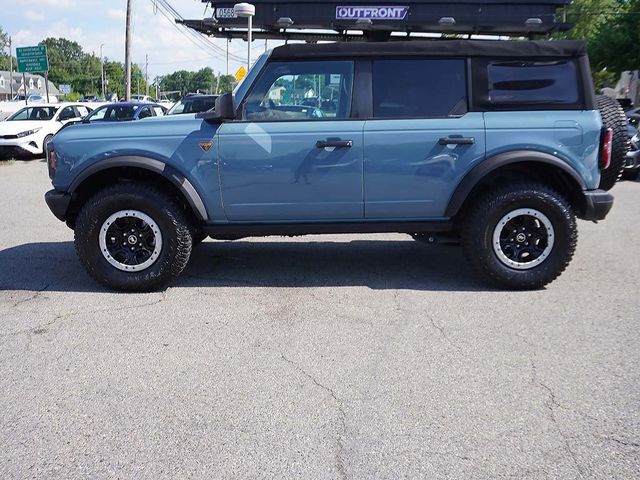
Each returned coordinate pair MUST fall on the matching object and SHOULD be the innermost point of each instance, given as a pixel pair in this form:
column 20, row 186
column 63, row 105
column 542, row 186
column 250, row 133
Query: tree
column 4, row 53
column 590, row 16
column 616, row 46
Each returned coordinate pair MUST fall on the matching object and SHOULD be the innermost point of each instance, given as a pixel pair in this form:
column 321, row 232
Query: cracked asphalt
column 337, row 357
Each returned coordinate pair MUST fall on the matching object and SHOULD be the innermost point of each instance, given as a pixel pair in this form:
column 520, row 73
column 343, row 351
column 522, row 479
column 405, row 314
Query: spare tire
column 613, row 117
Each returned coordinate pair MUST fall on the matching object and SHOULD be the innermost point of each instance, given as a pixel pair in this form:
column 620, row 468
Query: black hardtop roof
column 435, row 48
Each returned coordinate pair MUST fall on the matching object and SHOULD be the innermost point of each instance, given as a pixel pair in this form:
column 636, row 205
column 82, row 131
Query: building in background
column 35, row 85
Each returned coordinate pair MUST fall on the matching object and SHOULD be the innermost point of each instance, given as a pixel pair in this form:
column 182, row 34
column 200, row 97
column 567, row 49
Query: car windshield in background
column 193, row 105
column 120, row 113
column 33, row 113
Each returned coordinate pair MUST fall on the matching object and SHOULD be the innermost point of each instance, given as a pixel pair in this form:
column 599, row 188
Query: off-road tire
column 483, row 218
column 163, row 210
column 613, row 117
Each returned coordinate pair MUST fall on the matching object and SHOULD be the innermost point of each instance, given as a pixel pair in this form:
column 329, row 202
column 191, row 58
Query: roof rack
column 388, row 20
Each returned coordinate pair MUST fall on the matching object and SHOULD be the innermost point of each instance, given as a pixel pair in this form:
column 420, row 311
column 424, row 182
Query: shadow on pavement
column 405, row 265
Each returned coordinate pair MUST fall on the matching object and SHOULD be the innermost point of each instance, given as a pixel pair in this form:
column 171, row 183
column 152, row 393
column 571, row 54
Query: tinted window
column 67, row 113
column 34, row 113
column 532, row 83
column 193, row 105
column 118, row 113
column 145, row 112
column 302, row 91
column 419, row 88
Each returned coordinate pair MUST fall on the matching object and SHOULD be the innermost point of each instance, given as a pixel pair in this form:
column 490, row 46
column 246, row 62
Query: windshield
column 193, row 105
column 118, row 113
column 33, row 113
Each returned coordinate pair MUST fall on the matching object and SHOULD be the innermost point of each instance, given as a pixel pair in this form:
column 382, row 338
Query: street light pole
column 246, row 10
column 102, row 71
column 10, row 69
column 127, row 54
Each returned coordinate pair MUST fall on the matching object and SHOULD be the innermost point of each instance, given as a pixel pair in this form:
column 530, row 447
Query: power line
column 197, row 35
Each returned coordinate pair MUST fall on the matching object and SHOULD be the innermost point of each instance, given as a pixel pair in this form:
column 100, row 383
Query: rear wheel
column 521, row 237
column 133, row 237
column 613, row 117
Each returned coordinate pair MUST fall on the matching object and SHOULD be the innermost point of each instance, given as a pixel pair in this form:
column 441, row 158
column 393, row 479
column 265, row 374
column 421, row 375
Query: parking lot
column 320, row 357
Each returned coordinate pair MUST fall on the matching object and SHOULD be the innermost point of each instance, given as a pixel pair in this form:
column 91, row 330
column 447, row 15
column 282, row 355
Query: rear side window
column 542, row 84
column 419, row 88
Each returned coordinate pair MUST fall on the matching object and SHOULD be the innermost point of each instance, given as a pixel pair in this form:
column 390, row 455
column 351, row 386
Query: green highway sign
column 32, row 59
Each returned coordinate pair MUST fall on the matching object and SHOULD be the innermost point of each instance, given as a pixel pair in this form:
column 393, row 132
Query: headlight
column 28, row 132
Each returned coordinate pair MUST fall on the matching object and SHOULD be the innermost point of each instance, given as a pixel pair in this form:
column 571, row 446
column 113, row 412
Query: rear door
column 422, row 138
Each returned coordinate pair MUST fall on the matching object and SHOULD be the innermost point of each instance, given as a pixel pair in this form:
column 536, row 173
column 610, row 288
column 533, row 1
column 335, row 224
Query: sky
column 95, row 22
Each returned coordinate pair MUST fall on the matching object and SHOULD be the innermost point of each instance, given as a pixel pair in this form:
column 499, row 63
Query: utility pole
column 102, row 71
column 228, row 43
column 127, row 54
column 10, row 69
column 146, row 73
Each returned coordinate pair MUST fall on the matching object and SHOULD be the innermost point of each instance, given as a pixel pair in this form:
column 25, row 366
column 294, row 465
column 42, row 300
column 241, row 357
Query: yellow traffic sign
column 241, row 73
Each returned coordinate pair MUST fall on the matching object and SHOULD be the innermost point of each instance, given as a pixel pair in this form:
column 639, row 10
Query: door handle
column 334, row 143
column 457, row 141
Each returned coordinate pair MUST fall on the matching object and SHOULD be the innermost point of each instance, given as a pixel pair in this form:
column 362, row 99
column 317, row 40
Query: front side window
column 67, row 113
column 419, row 88
column 295, row 91
column 543, row 83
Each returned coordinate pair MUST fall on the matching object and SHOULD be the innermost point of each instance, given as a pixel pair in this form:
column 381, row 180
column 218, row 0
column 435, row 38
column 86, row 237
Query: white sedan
column 27, row 131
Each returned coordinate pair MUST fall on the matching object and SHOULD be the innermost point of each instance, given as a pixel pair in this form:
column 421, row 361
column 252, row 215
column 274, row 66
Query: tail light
column 51, row 160
column 606, row 146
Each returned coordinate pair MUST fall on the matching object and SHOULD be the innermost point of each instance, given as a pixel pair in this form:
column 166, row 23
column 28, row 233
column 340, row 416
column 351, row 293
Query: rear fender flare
column 479, row 172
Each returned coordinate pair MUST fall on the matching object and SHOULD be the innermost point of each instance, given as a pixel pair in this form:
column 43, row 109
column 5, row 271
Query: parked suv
column 497, row 143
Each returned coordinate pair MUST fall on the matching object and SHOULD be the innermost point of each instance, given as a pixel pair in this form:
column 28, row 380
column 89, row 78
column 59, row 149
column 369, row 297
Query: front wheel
column 521, row 237
column 133, row 237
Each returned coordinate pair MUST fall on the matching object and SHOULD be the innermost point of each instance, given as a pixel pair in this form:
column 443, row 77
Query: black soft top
column 436, row 48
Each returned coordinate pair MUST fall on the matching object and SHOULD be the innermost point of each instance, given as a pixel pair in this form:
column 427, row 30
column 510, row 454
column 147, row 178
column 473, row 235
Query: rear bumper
column 58, row 203
column 598, row 204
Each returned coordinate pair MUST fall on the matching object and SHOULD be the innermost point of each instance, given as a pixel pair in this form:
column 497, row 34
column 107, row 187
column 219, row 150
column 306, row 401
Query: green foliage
column 589, row 17
column 604, row 78
column 616, row 46
column 203, row 81
column 4, row 51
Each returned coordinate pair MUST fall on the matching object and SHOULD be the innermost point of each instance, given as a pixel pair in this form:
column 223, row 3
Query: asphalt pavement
column 322, row 357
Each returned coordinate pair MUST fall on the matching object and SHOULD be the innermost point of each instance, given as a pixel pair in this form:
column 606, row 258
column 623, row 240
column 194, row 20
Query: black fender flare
column 156, row 166
column 480, row 171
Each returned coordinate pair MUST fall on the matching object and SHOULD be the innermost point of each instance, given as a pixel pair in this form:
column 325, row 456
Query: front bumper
column 58, row 203
column 597, row 205
column 19, row 146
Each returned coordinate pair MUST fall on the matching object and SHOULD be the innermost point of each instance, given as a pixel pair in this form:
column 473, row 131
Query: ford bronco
column 499, row 144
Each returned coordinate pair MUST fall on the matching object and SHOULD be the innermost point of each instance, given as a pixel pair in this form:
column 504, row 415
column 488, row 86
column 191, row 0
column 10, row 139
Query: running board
column 292, row 229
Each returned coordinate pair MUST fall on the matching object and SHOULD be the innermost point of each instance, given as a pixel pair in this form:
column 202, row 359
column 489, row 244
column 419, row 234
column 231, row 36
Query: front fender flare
column 152, row 165
column 475, row 176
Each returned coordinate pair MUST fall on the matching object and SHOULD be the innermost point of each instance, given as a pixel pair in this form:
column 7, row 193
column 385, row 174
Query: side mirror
column 225, row 109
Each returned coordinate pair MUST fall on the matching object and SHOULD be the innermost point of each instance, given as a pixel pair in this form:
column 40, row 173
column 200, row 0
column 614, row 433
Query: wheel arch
column 530, row 165
column 127, row 168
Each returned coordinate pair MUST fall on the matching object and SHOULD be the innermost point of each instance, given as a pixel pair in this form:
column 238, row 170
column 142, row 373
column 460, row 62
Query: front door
column 296, row 155
column 421, row 140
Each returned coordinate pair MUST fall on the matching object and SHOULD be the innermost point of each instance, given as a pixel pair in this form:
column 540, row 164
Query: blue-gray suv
column 498, row 144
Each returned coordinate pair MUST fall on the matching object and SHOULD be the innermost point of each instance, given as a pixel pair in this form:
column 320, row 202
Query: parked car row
column 27, row 131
